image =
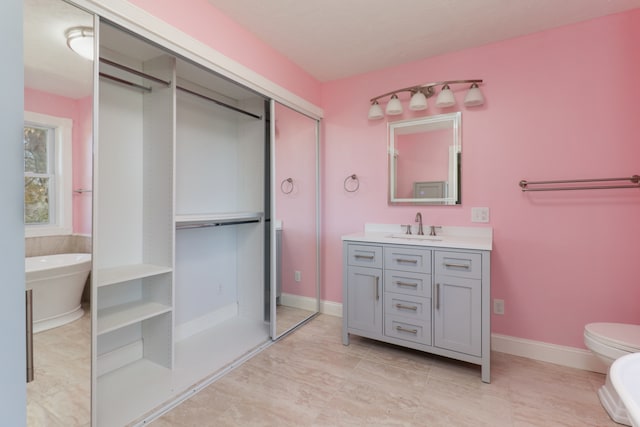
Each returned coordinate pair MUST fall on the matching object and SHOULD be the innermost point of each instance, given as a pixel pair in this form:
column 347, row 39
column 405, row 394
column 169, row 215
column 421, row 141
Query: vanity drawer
column 408, row 330
column 414, row 309
column 407, row 283
column 407, row 259
column 460, row 264
column 364, row 256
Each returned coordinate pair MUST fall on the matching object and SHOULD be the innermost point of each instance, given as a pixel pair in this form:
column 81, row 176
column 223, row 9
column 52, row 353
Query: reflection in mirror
column 424, row 160
column 295, row 218
column 58, row 173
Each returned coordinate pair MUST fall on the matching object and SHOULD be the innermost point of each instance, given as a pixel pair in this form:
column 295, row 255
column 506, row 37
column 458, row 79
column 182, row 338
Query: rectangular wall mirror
column 424, row 160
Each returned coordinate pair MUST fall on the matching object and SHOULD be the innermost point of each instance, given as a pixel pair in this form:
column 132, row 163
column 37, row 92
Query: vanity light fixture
column 80, row 40
column 375, row 112
column 445, row 98
column 394, row 106
column 474, row 96
column 420, row 94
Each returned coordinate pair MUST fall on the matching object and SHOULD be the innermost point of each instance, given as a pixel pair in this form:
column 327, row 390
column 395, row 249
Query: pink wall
column 79, row 111
column 201, row 20
column 295, row 145
column 560, row 104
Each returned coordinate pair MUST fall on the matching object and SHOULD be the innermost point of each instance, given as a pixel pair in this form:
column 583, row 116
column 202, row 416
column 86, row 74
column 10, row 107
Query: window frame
column 61, row 193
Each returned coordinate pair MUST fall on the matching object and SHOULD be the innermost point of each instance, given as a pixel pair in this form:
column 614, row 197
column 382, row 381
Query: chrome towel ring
column 351, row 183
column 286, row 186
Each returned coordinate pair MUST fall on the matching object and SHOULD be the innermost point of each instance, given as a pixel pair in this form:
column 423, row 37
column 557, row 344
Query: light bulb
column 394, row 107
column 375, row 112
column 445, row 98
column 474, row 97
column 418, row 101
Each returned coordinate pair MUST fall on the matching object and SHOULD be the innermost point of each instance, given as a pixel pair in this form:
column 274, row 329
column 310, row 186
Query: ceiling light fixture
column 80, row 40
column 420, row 94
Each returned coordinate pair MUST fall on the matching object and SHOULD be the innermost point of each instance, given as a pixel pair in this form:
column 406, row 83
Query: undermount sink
column 625, row 377
column 415, row 237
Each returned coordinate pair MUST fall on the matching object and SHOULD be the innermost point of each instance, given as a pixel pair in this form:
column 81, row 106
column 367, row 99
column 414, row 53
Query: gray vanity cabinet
column 425, row 298
column 457, row 316
column 407, row 294
column 364, row 294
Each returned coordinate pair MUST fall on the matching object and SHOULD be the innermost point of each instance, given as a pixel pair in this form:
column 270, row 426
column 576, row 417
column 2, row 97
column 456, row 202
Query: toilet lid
column 619, row 335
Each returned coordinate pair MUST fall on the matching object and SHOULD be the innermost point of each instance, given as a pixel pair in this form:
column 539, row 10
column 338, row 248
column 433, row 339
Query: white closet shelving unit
column 133, row 231
column 179, row 228
column 220, row 172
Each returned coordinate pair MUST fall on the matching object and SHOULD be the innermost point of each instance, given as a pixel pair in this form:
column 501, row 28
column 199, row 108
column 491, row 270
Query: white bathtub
column 57, row 282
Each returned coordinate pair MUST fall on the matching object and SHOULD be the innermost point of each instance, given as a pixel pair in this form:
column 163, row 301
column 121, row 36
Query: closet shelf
column 113, row 275
column 217, row 219
column 119, row 316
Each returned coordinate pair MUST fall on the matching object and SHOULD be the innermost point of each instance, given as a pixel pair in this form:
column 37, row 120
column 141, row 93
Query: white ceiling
column 333, row 39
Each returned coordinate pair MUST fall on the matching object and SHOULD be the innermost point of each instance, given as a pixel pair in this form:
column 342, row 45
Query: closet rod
column 166, row 83
column 125, row 82
column 222, row 104
column 635, row 183
column 215, row 224
column 134, row 71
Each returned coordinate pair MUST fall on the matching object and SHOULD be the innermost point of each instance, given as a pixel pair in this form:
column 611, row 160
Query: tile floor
column 310, row 379
column 60, row 394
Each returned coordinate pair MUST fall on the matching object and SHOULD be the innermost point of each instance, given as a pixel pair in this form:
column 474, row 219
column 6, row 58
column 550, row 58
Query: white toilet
column 609, row 341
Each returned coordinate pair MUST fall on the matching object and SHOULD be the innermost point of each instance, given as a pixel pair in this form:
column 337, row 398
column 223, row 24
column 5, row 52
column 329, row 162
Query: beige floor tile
column 309, row 378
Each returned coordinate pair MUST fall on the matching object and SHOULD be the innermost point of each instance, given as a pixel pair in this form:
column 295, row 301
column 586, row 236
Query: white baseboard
column 331, row 308
column 297, row 301
column 202, row 323
column 307, row 303
column 560, row 355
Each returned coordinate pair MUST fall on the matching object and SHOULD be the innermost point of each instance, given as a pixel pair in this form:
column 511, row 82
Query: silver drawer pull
column 411, row 331
column 411, row 285
column 364, row 256
column 465, row 266
column 408, row 261
column 406, row 307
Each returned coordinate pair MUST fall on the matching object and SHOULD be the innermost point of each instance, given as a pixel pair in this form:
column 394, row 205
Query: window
column 47, row 175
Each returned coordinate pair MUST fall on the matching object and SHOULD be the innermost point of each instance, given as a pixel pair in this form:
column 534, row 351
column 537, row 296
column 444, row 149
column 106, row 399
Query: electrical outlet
column 498, row 306
column 479, row 214
column 296, row 276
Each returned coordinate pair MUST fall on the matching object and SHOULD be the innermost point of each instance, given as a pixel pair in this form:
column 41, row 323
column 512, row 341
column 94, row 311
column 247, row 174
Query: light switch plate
column 479, row 214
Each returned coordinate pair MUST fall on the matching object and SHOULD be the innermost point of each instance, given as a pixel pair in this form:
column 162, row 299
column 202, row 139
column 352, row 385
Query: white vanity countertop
column 479, row 238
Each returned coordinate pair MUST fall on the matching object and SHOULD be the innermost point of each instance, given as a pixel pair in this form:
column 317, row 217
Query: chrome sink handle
column 432, row 231
column 408, row 228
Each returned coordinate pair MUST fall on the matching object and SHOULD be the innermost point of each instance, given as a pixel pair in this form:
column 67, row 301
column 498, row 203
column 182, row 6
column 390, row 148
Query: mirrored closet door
column 294, row 218
column 58, row 127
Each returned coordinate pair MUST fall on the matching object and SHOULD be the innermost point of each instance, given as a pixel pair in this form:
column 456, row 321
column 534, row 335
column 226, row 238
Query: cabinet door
column 364, row 299
column 458, row 314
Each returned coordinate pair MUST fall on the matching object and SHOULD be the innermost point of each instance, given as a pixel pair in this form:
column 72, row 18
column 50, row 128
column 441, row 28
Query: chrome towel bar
column 581, row 184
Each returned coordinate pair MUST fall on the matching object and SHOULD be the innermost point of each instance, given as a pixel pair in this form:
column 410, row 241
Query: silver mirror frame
column 435, row 122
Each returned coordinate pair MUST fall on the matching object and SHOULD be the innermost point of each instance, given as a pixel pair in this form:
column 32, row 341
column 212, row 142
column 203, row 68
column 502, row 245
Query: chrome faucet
column 419, row 221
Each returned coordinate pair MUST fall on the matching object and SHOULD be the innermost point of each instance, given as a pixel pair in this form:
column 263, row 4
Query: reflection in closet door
column 294, row 218
column 58, row 95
